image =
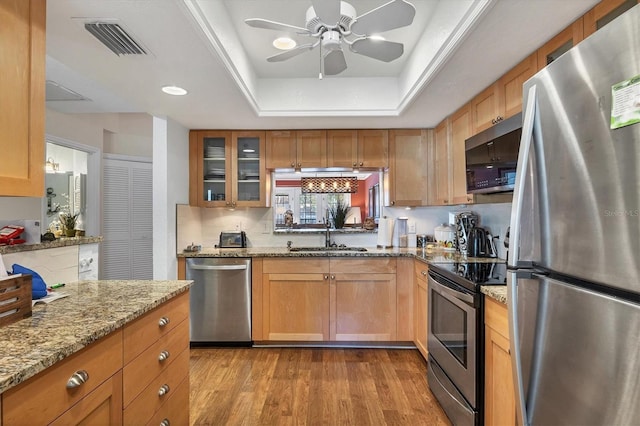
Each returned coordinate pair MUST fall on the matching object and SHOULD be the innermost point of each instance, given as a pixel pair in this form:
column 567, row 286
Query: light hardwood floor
column 311, row 386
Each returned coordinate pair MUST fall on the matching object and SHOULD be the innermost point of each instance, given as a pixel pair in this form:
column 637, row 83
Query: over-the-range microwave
column 491, row 157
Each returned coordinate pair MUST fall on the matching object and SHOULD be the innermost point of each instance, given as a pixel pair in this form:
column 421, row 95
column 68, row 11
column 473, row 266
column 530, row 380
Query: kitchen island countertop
column 92, row 310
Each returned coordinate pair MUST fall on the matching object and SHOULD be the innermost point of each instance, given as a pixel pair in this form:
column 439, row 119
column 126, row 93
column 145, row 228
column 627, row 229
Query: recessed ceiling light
column 284, row 43
column 174, row 90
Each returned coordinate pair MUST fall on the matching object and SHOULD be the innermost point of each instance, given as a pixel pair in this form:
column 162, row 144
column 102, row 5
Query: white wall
column 170, row 187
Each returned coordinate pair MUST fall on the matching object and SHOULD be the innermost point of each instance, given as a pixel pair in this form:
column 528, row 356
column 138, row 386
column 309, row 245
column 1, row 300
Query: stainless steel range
column 455, row 336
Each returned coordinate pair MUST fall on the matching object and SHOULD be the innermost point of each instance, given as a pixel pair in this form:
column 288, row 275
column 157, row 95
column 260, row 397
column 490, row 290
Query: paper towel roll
column 385, row 233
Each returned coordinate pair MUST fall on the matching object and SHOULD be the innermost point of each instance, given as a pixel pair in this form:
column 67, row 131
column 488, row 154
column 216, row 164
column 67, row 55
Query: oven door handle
column 441, row 288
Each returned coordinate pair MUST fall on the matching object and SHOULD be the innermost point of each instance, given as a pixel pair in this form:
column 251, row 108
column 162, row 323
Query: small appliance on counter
column 445, row 237
column 233, row 239
column 481, row 243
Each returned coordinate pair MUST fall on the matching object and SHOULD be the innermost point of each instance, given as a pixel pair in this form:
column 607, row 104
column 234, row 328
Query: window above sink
column 295, row 211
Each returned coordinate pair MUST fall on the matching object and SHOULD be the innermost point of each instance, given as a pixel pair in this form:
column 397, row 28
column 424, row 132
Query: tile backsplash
column 203, row 225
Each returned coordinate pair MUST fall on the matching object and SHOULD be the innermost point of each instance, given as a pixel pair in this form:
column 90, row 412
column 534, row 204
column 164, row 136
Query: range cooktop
column 472, row 275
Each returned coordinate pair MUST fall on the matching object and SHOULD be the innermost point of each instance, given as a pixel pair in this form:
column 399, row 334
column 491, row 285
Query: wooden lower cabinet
column 296, row 306
column 499, row 396
column 324, row 299
column 124, row 372
column 420, row 300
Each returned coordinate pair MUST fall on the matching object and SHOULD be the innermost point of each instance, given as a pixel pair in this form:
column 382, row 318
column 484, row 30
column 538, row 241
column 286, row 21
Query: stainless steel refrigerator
column 574, row 280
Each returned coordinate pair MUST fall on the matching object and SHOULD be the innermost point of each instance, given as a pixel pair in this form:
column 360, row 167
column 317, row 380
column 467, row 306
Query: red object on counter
column 10, row 233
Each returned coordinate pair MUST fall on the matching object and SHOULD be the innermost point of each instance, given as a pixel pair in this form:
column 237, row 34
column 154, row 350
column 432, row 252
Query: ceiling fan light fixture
column 376, row 37
column 284, row 43
column 174, row 90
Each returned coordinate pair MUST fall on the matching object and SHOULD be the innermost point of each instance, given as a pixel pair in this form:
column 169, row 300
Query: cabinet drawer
column 495, row 316
column 146, row 330
column 45, row 396
column 295, row 266
column 148, row 365
column 383, row 265
column 149, row 401
column 420, row 269
column 176, row 409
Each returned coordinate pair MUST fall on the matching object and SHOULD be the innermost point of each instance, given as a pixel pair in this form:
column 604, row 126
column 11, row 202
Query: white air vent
column 57, row 92
column 115, row 38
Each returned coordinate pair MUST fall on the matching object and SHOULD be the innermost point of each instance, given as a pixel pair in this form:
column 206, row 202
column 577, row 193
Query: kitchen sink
column 321, row 249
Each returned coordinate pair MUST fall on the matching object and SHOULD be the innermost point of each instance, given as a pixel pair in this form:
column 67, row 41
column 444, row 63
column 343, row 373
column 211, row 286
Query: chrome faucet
column 327, row 234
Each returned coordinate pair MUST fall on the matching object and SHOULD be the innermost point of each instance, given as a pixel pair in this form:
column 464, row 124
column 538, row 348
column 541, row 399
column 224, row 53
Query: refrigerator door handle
column 514, row 337
column 523, row 160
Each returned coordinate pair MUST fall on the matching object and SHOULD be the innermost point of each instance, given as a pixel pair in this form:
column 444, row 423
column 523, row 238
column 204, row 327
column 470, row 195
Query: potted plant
column 68, row 221
column 339, row 213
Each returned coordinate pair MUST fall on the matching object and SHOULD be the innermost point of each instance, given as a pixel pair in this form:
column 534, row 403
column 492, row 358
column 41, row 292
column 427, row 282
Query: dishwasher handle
column 218, row 267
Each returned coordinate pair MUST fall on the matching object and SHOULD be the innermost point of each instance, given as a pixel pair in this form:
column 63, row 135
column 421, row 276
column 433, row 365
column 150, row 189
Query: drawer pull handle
column 165, row 422
column 163, row 321
column 77, row 379
column 424, row 273
column 164, row 389
column 163, row 356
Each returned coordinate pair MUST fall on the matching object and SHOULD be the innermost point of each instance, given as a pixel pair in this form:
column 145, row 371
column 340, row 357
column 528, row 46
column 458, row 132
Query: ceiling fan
column 334, row 22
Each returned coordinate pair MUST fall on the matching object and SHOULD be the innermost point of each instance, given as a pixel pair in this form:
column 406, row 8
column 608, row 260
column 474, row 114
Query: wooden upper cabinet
column 440, row 177
column 227, row 169
column 406, row 179
column 502, row 99
column 281, row 149
column 485, row 108
column 342, row 148
column 460, row 132
column 311, row 148
column 22, row 67
column 510, row 86
column 301, row 148
column 373, row 149
column 604, row 12
column 367, row 149
column 560, row 44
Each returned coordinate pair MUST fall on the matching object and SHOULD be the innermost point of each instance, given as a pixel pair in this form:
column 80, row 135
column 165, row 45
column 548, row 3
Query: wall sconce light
column 51, row 166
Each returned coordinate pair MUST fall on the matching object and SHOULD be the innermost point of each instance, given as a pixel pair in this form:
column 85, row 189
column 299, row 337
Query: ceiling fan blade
column 327, row 10
column 334, row 62
column 272, row 25
column 291, row 53
column 381, row 50
column 395, row 14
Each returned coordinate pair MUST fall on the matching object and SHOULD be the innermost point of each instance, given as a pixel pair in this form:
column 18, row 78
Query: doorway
column 72, row 184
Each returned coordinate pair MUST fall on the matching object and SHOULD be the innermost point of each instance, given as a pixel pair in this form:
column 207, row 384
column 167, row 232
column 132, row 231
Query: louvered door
column 127, row 222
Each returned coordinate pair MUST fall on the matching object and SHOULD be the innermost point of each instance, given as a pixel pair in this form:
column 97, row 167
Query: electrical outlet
column 267, row 228
column 411, row 226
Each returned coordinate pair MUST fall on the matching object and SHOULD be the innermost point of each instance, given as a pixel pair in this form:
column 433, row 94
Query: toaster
column 232, row 239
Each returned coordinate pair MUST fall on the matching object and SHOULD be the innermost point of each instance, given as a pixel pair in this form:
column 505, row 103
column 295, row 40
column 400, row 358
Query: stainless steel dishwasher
column 220, row 301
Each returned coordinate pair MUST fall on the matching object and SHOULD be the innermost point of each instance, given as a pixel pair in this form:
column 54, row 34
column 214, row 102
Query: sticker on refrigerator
column 625, row 103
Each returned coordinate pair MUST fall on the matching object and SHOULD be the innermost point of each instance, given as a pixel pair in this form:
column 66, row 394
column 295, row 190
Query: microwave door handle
column 523, row 160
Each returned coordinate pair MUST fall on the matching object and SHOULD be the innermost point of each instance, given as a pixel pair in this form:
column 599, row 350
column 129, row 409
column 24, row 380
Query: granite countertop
column 428, row 256
column 60, row 242
column 56, row 330
column 497, row 292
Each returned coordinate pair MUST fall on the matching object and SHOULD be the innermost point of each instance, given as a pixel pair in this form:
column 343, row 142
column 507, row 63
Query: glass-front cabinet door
column 227, row 169
column 249, row 165
column 214, row 177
